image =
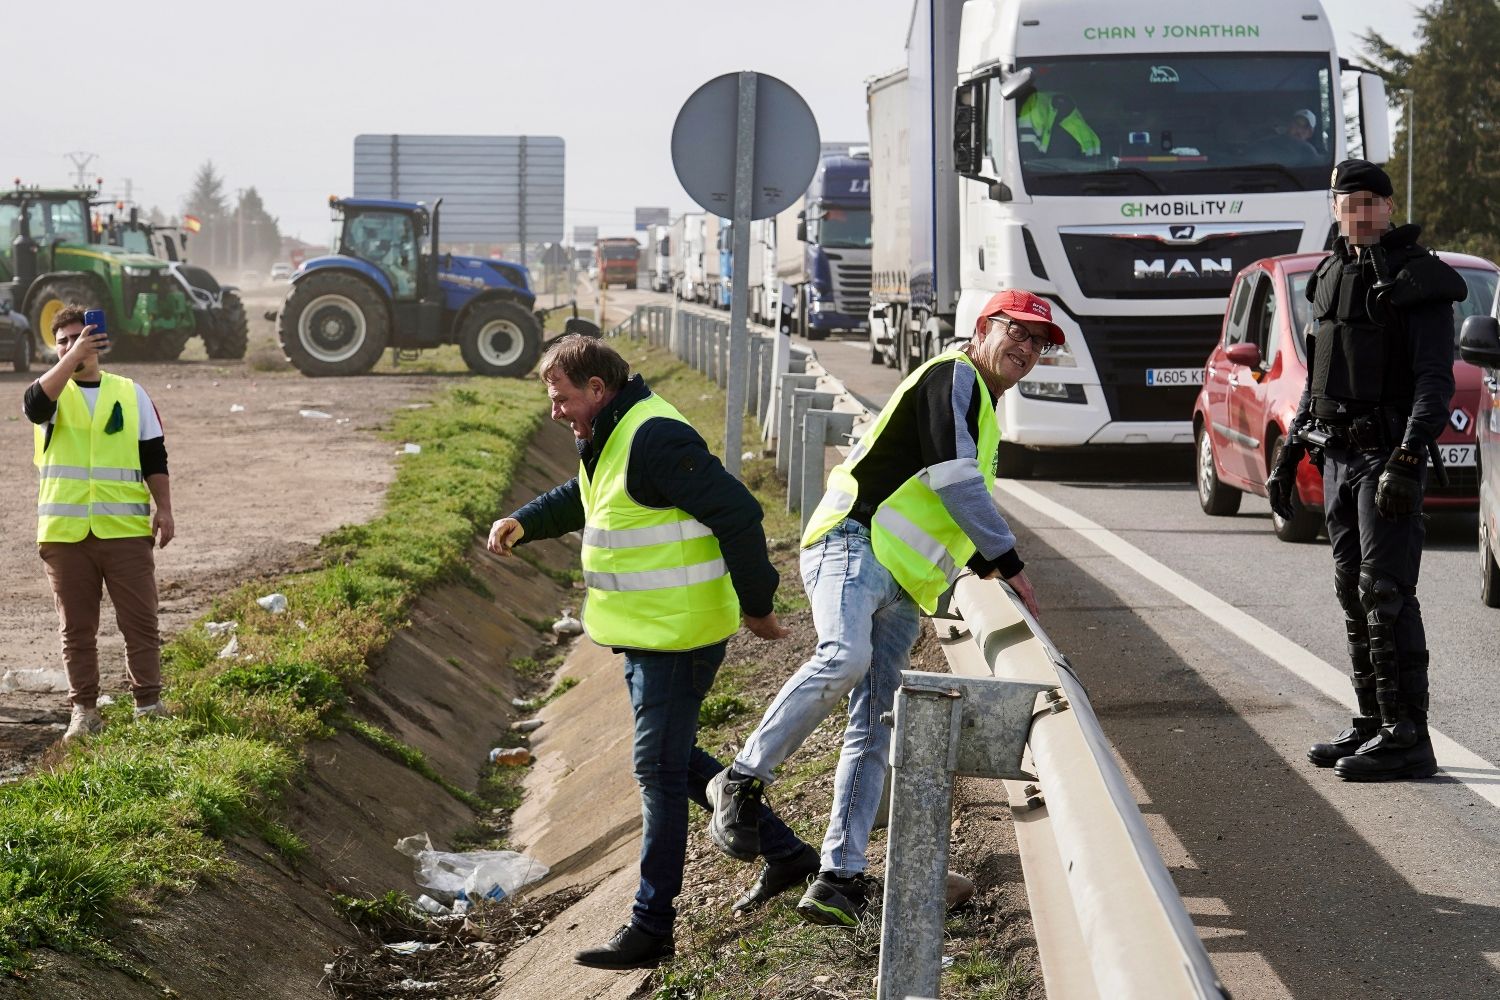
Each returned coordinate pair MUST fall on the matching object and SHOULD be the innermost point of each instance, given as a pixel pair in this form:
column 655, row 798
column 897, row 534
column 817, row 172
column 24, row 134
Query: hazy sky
column 274, row 91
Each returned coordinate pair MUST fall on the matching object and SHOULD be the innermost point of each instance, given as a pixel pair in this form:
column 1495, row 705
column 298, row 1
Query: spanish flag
column 191, row 223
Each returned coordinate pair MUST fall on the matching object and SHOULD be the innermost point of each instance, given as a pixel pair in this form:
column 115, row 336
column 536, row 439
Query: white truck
column 658, row 255
column 691, row 248
column 1123, row 162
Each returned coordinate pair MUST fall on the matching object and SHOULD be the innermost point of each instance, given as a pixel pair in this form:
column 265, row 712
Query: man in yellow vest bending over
column 102, row 459
column 903, row 516
column 674, row 558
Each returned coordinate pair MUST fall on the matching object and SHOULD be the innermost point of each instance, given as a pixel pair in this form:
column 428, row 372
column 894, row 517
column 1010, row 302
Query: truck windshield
column 621, row 253
column 843, row 228
column 1182, row 123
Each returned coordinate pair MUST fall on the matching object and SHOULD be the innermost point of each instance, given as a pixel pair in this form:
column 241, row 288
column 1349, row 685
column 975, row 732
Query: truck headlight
column 1054, row 392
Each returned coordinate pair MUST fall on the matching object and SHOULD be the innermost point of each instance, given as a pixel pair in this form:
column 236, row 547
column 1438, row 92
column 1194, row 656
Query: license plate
column 1457, row 456
column 1166, row 378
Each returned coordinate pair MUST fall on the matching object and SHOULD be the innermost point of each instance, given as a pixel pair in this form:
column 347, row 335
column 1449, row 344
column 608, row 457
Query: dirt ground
column 252, row 492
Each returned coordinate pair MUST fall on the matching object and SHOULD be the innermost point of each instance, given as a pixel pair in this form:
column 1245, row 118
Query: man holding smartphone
column 102, row 460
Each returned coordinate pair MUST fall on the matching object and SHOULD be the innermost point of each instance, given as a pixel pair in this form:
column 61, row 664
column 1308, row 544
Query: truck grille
column 1118, row 267
column 1123, row 347
column 851, row 287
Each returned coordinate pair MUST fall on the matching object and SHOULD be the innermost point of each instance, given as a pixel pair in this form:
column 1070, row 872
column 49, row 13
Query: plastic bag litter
column 567, row 624
column 316, row 414
column 236, row 408
column 274, row 603
column 410, row 947
column 470, row 875
column 410, row 449
column 35, row 679
column 220, row 628
column 526, row 726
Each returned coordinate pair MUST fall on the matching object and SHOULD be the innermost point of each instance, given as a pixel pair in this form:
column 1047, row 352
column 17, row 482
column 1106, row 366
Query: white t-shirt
column 150, row 419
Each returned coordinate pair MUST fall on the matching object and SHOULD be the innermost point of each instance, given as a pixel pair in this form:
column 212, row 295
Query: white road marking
column 1458, row 762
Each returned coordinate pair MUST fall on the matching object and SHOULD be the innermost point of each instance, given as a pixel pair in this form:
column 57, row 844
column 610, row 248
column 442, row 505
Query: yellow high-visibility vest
column 656, row 578
column 91, row 469
column 911, row 532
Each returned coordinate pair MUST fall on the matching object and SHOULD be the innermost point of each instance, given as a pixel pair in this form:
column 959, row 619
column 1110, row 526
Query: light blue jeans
column 866, row 627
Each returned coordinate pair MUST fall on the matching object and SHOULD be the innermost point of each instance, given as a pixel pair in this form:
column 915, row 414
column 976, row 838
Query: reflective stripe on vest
column 90, row 479
column 656, row 578
column 911, row 532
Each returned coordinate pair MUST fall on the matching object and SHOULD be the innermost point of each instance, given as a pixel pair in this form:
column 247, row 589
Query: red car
column 1256, row 373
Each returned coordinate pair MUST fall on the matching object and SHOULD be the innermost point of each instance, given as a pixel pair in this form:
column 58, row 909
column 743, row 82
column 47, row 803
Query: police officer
column 1379, row 380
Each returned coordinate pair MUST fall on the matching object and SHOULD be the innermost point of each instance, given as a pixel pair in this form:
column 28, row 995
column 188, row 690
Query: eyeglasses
column 1015, row 331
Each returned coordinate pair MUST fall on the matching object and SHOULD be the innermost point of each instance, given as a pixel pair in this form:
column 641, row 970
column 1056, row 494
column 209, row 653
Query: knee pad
column 1379, row 596
column 1346, row 589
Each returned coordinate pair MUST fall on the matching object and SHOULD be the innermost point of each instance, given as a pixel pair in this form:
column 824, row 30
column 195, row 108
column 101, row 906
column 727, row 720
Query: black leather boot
column 1366, row 724
column 1402, row 748
column 630, row 948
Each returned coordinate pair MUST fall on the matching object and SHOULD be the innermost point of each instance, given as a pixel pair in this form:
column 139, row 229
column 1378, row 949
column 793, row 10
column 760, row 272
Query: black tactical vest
column 1361, row 359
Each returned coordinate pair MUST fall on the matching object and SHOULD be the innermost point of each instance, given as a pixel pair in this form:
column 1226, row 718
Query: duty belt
column 1365, row 433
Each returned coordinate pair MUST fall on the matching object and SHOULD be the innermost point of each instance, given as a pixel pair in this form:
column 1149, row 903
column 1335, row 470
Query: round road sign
column 786, row 145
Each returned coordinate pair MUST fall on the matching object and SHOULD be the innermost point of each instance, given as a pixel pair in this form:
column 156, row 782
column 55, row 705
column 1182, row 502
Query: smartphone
column 95, row 319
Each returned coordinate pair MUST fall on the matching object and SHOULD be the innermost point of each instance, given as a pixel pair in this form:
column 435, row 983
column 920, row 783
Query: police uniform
column 1380, row 376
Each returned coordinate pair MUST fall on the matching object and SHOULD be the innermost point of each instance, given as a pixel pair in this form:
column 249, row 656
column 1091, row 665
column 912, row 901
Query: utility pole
column 81, row 161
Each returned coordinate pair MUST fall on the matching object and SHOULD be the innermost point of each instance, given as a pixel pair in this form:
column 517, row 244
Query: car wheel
column 1489, row 571
column 1304, row 524
column 1216, row 499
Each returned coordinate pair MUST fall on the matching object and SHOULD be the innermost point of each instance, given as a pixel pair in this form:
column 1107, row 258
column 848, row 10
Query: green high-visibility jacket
column 656, row 578
column 91, row 468
column 1039, row 114
column 912, row 533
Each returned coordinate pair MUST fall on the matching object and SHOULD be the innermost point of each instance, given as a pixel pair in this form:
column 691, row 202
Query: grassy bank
column 142, row 806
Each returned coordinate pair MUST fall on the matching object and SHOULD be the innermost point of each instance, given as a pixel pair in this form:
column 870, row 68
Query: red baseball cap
column 1022, row 305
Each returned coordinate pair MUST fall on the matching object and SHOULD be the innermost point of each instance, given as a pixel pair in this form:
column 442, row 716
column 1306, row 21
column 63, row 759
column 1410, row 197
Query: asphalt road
column 1214, row 655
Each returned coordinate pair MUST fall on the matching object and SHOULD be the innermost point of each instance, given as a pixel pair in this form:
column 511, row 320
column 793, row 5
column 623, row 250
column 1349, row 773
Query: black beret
column 1361, row 175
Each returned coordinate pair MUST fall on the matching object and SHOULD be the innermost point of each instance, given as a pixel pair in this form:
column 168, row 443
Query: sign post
column 752, row 172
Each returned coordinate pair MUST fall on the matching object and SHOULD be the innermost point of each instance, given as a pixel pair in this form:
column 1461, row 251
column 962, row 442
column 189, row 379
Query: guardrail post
column 752, row 378
column 721, row 337
column 786, row 431
column 945, row 726
column 781, row 348
column 820, row 428
column 715, row 351
column 802, row 401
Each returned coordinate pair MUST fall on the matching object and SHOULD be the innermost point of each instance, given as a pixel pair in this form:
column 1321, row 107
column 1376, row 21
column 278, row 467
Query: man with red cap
column 906, row 513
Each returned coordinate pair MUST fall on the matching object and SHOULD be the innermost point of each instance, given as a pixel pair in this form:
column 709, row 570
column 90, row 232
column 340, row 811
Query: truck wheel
column 500, row 338
column 1304, row 525
column 231, row 330
column 1216, row 499
column 54, row 297
column 1014, row 462
column 333, row 324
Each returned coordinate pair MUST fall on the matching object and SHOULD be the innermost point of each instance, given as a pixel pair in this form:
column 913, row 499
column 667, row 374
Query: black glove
column 1281, row 485
column 1400, row 489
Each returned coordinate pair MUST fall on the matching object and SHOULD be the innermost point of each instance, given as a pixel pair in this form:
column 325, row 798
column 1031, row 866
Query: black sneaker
column 837, row 902
column 777, row 877
column 735, row 824
column 630, row 948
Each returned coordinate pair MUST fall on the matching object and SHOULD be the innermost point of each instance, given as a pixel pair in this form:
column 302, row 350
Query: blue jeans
column 866, row 627
column 665, row 692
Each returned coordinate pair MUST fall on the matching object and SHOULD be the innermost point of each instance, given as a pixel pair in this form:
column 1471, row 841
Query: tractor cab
column 392, row 236
column 33, row 224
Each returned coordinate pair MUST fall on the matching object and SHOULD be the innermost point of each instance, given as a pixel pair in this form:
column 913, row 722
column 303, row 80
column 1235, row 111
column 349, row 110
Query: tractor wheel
column 54, row 297
column 333, row 324
column 231, row 334
column 166, row 345
column 21, row 356
column 500, row 338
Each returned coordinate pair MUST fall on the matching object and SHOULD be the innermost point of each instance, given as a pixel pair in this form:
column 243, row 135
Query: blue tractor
column 386, row 285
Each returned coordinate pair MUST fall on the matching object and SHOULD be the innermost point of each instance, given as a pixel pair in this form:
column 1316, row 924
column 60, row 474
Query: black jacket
column 670, row 466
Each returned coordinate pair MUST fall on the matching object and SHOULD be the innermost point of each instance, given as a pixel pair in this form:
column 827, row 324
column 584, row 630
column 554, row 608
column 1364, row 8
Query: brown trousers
column 127, row 566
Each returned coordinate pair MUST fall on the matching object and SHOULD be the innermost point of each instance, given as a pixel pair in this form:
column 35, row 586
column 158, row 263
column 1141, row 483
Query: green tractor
column 218, row 313
column 51, row 257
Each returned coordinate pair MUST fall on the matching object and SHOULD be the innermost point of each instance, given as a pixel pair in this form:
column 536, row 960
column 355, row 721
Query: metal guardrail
column 1108, row 920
